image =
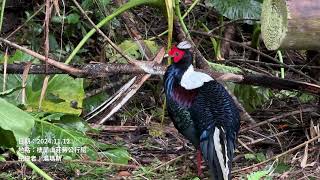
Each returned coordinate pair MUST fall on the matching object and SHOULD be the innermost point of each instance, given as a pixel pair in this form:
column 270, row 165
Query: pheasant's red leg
column 199, row 159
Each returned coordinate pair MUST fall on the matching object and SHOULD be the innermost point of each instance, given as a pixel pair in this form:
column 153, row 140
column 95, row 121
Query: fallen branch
column 69, row 69
column 118, row 129
column 103, row 70
column 62, row 66
column 150, row 68
column 89, row 70
column 102, row 163
column 253, row 142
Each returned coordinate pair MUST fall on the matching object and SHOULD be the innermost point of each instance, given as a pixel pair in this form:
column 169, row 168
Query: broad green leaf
column 13, row 86
column 74, row 122
column 73, row 18
column 304, row 98
column 53, row 117
column 257, row 175
column 235, row 9
column 15, row 124
column 2, row 58
column 261, row 157
column 18, row 56
column 65, row 121
column 132, row 49
column 282, row 167
column 249, row 156
column 62, row 92
column 2, row 159
column 118, row 155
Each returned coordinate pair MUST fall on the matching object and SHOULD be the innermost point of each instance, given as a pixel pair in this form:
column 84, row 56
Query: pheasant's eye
column 176, row 54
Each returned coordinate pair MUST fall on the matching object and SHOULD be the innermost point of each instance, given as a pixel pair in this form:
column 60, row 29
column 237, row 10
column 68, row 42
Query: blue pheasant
column 202, row 111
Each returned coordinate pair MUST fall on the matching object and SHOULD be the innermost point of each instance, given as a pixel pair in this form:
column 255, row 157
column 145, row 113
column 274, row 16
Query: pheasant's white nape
column 192, row 79
column 184, row 45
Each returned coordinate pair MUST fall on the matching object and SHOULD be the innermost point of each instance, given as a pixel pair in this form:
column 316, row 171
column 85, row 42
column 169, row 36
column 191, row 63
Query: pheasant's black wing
column 217, row 118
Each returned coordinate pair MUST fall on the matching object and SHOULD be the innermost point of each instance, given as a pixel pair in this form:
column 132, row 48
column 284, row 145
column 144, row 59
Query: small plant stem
column 178, row 13
column 170, row 14
column 213, row 40
column 218, row 48
column 184, row 15
column 157, row 36
column 163, row 110
column 2, row 13
column 170, row 7
column 5, row 63
column 281, row 60
column 32, row 165
column 190, row 8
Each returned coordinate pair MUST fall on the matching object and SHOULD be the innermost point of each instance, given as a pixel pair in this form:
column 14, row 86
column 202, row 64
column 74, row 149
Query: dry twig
column 279, row 155
column 309, row 109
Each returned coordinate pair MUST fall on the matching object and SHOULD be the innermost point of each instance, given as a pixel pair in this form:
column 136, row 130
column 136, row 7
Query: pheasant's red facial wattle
column 176, row 53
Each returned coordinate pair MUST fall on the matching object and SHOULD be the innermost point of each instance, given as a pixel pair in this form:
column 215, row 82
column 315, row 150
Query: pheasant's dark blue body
column 206, row 115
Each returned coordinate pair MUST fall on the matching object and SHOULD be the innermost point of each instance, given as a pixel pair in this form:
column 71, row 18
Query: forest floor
column 158, row 151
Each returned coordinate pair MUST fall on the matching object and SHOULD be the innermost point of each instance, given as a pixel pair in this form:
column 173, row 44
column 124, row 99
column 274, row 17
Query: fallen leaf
column 124, row 173
column 304, row 160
